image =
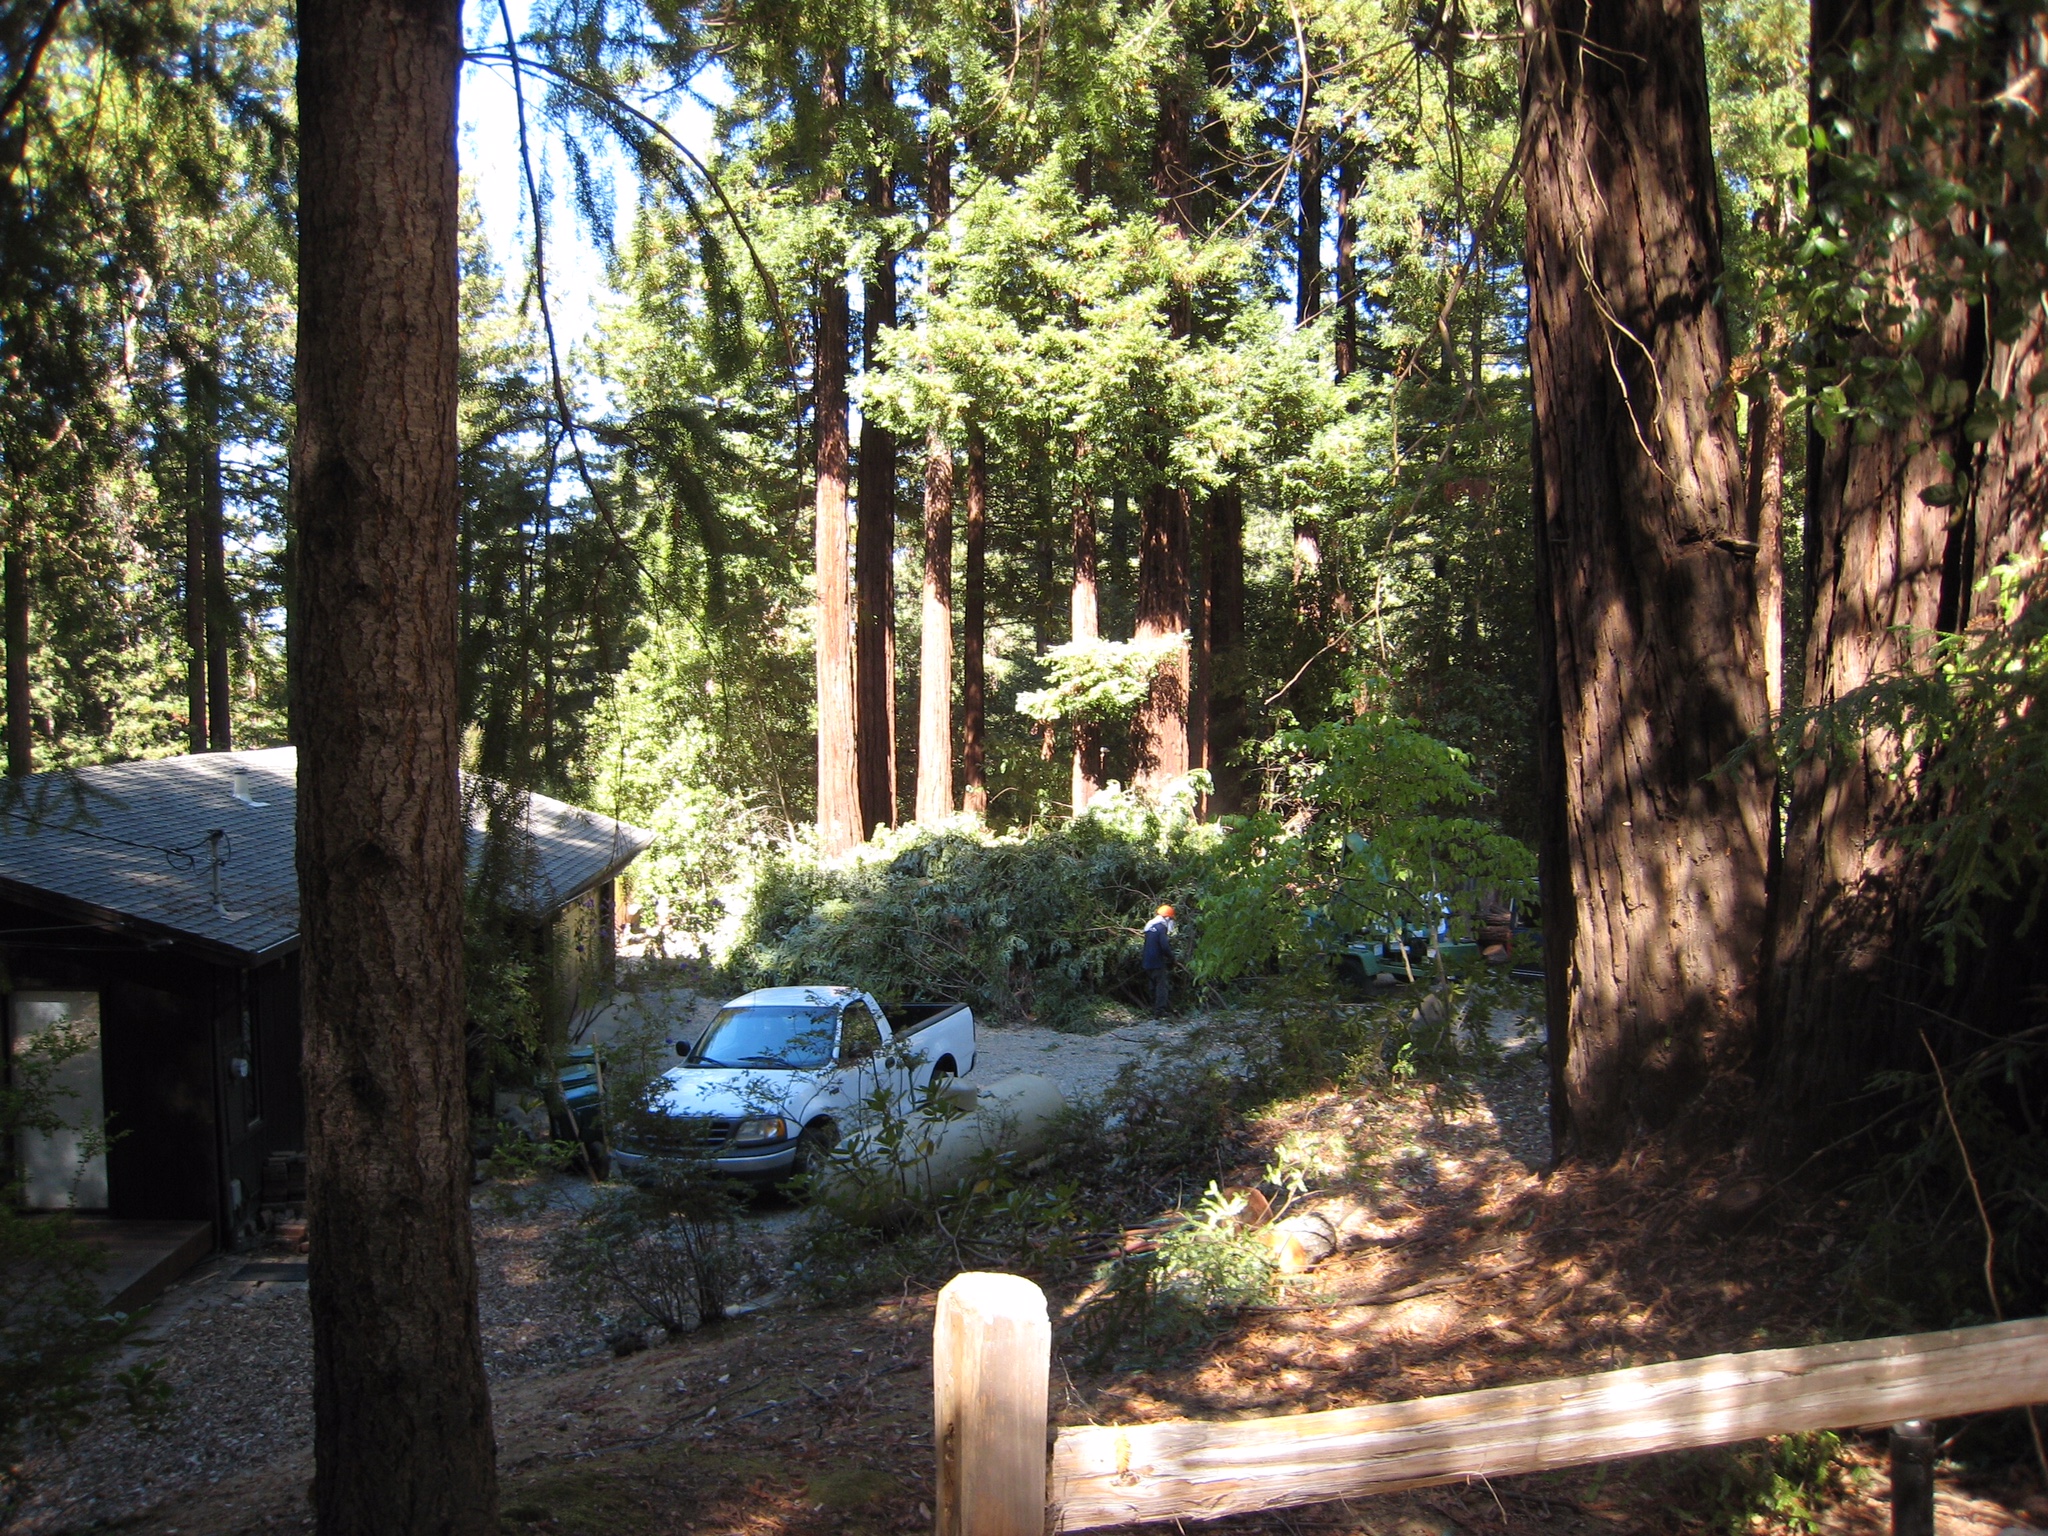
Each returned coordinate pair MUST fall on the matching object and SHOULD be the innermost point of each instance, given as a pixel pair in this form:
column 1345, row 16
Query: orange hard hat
column 1165, row 911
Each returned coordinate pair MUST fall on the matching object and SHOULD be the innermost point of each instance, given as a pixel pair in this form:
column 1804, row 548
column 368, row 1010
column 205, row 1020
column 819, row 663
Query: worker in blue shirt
column 1158, row 958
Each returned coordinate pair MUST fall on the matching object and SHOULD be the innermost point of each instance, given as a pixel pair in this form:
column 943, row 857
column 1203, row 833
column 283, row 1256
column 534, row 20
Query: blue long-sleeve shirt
column 1158, row 954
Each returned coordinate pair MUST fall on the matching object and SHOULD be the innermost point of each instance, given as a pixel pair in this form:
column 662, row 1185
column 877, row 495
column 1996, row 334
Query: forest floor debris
column 1458, row 1265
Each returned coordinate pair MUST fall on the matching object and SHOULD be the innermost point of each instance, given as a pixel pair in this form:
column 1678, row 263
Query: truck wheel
column 816, row 1139
column 944, row 1072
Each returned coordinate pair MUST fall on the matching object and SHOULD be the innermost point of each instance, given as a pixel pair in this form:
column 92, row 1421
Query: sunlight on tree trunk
column 402, row 1417
column 838, row 785
column 1226, row 650
column 1655, row 867
column 974, row 621
column 1085, row 623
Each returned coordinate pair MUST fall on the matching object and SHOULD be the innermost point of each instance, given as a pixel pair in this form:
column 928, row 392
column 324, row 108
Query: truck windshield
column 763, row 1036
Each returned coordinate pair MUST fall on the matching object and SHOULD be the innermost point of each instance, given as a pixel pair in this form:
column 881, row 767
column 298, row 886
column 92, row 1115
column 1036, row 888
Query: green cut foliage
column 1099, row 680
column 1357, row 838
column 1037, row 924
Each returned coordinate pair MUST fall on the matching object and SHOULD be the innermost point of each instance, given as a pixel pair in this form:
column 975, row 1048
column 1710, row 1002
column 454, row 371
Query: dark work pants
column 1162, row 989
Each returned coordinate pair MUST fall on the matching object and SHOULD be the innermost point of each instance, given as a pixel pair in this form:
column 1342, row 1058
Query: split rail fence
column 996, row 1477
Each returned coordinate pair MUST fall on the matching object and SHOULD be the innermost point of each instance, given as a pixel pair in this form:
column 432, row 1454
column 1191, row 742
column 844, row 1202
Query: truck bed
column 912, row 1017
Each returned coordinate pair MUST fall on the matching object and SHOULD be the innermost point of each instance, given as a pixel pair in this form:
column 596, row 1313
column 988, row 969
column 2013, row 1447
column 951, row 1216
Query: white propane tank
column 880, row 1168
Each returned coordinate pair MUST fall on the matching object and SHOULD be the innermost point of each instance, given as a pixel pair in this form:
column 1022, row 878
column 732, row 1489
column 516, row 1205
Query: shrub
column 664, row 1251
column 1037, row 924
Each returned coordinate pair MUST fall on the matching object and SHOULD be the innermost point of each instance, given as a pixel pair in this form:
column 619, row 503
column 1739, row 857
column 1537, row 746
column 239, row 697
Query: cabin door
column 64, row 1169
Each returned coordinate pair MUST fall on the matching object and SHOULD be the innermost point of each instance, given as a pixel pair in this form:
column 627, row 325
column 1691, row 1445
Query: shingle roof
column 130, row 842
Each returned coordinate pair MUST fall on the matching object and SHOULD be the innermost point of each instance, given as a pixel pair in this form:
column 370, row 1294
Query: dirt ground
column 1460, row 1265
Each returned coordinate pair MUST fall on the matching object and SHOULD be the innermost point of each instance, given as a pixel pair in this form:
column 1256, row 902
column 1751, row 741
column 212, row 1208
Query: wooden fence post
column 991, row 1355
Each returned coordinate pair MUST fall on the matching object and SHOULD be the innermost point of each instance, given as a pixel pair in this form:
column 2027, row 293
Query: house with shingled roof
column 153, row 908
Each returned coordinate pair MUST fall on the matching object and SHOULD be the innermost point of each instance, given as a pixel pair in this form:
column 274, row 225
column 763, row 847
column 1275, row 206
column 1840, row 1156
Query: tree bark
column 839, row 818
column 973, row 680
column 21, row 748
column 1652, row 636
column 935, row 643
column 1160, row 731
column 1226, row 650
column 1308, row 231
column 1347, row 265
column 935, row 638
column 220, row 608
column 1085, row 611
column 874, row 577
column 1850, row 987
column 401, row 1412
column 195, row 591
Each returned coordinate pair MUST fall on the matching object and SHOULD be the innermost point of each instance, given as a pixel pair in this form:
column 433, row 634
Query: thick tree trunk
column 1850, row 984
column 1085, row 612
column 974, row 619
column 21, row 749
column 401, row 1413
column 839, row 819
column 1160, row 731
column 1160, row 737
column 1652, row 637
column 1226, row 650
column 874, row 580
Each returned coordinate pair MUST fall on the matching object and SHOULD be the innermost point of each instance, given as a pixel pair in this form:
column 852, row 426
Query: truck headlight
column 762, row 1128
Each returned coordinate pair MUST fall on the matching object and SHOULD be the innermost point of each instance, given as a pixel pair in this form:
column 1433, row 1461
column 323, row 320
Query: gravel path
column 1083, row 1065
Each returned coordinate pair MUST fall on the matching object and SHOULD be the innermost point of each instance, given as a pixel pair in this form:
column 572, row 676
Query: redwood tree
column 935, row 633
column 401, row 1414
column 839, row 820
column 1160, row 733
column 974, row 622
column 874, row 571
column 1654, row 865
column 1926, row 199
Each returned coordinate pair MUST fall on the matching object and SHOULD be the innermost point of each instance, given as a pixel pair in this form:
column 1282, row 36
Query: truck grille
column 678, row 1136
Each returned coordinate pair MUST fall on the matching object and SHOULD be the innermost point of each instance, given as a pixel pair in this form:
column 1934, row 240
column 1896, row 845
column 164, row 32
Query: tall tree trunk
column 935, row 634
column 1654, row 921
column 839, row 818
column 935, row 642
column 402, row 1435
column 1198, row 638
column 1347, row 263
column 202, row 465
column 973, row 679
column 1308, row 231
column 1085, row 612
column 874, row 576
column 1226, row 650
column 220, row 608
column 1850, row 991
column 1160, row 731
column 21, row 750
column 195, row 602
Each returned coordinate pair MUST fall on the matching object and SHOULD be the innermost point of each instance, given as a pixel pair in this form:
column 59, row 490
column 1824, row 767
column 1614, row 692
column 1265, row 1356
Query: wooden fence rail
column 1131, row 1474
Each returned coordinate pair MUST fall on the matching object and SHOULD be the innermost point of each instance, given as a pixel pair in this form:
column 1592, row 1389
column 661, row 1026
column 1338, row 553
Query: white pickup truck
column 779, row 1074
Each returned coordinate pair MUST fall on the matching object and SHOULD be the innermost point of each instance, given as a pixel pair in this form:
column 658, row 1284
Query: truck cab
column 781, row 1073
